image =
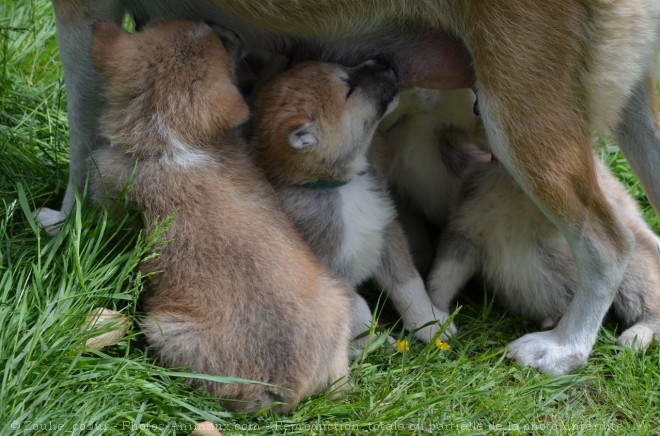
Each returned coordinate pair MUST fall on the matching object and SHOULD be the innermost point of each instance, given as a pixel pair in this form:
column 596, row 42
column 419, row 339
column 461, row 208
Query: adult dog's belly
column 409, row 35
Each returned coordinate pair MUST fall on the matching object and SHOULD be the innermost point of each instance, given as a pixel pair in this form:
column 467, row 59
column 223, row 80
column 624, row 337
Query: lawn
column 50, row 383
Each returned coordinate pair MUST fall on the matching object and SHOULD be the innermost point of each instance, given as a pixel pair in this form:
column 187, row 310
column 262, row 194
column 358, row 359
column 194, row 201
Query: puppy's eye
column 351, row 87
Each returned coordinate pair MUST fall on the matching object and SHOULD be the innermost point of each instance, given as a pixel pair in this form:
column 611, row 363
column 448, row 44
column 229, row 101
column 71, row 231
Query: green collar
column 324, row 184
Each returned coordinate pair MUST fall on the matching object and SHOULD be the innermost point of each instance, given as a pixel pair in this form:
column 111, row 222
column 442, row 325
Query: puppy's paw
column 543, row 351
column 437, row 321
column 637, row 337
column 51, row 220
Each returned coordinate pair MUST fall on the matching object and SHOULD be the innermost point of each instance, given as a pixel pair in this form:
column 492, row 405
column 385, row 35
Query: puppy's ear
column 304, row 136
column 108, row 40
column 231, row 42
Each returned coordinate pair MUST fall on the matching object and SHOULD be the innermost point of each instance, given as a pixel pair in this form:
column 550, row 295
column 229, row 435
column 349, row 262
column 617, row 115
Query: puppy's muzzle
column 379, row 82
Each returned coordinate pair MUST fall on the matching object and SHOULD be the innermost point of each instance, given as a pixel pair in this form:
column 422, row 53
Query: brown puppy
column 313, row 127
column 547, row 73
column 237, row 293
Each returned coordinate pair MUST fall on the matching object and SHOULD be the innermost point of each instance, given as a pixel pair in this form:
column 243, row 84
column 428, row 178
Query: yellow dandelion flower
column 442, row 345
column 402, row 345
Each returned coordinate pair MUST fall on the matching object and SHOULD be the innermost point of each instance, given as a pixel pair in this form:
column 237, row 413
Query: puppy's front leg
column 74, row 35
column 405, row 287
column 456, row 262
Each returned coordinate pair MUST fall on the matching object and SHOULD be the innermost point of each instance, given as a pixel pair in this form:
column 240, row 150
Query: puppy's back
column 237, row 293
column 234, row 292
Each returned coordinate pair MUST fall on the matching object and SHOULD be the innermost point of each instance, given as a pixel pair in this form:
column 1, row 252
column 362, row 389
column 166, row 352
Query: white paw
column 543, row 351
column 51, row 220
column 436, row 323
column 636, row 337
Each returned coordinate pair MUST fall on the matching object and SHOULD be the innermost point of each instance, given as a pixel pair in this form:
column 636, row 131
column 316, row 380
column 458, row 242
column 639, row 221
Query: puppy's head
column 316, row 120
column 171, row 80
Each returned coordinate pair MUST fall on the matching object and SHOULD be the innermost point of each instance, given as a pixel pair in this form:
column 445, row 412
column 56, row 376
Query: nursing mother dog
column 547, row 73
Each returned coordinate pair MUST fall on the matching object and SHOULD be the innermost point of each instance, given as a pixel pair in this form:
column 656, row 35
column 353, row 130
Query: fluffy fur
column 424, row 148
column 498, row 233
column 546, row 73
column 494, row 229
column 236, row 291
column 352, row 227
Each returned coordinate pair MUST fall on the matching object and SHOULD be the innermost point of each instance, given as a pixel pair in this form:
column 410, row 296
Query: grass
column 49, row 383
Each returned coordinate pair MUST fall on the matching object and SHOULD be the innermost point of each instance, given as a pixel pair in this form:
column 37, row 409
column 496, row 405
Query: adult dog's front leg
column 74, row 33
column 539, row 129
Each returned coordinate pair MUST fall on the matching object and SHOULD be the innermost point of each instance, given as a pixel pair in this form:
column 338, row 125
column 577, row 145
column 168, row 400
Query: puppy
column 424, row 148
column 498, row 232
column 236, row 291
column 312, row 128
column 546, row 73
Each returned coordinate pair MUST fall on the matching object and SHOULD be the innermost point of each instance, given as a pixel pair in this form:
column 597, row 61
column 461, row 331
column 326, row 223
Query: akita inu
column 312, row 127
column 236, row 291
column 499, row 233
column 547, row 74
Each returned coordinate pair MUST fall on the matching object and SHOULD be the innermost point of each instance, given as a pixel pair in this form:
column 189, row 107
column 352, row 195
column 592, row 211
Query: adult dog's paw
column 546, row 353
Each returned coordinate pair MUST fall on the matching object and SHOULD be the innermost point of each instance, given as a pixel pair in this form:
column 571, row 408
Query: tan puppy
column 547, row 74
column 237, row 293
column 313, row 127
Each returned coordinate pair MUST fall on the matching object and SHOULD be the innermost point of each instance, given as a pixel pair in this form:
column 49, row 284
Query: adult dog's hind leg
column 638, row 136
column 74, row 35
column 529, row 86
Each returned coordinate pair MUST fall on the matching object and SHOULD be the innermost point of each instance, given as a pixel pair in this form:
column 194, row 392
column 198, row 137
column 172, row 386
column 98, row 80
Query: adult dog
column 546, row 73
